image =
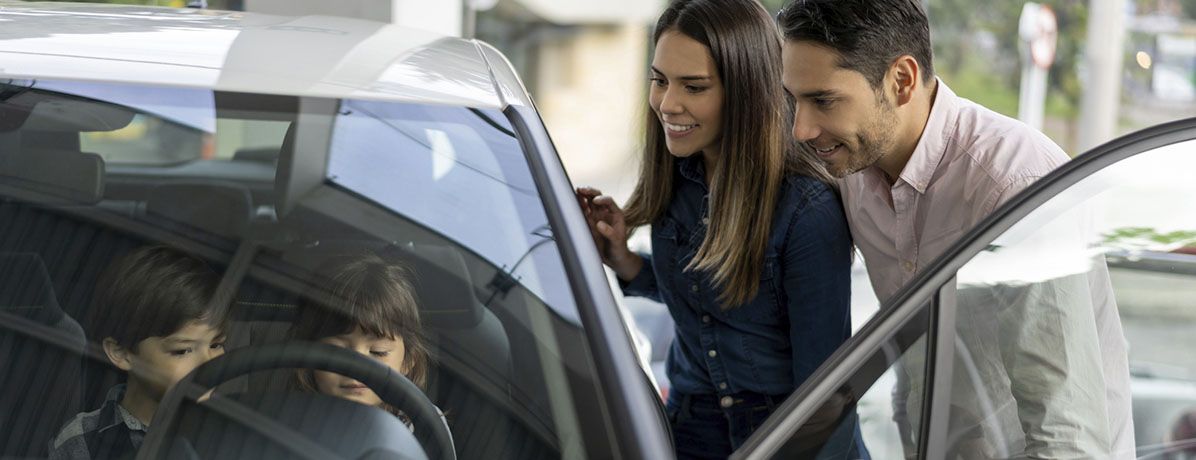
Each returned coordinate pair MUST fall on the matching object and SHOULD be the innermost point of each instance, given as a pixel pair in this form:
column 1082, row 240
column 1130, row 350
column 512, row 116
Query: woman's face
column 686, row 95
column 387, row 351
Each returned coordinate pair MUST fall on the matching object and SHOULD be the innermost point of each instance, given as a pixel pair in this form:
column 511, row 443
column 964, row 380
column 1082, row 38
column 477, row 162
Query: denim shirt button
column 693, row 288
column 722, row 386
column 712, row 353
column 706, row 319
column 726, row 402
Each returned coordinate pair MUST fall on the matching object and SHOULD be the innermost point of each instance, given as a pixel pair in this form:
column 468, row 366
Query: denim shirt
column 801, row 314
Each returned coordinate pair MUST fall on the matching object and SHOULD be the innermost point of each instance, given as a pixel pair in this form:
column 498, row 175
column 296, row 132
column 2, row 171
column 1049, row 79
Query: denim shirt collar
column 693, row 169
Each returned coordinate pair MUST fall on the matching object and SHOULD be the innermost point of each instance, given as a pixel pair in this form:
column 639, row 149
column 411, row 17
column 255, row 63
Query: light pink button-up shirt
column 968, row 161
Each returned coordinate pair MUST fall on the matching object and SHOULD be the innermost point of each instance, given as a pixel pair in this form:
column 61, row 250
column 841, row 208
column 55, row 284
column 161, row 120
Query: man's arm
column 1050, row 346
column 1051, row 352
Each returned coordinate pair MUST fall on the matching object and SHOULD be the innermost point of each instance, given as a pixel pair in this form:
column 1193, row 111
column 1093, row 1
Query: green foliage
column 961, row 28
column 1150, row 239
column 773, row 5
column 976, row 51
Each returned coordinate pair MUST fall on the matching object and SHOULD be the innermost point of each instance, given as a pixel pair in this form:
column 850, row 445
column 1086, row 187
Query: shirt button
column 705, row 221
column 712, row 353
column 726, row 402
column 909, row 266
column 722, row 386
column 693, row 288
column 705, row 318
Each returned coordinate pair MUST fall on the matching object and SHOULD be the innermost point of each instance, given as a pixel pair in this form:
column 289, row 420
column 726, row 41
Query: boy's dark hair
column 363, row 290
column 868, row 34
column 153, row 292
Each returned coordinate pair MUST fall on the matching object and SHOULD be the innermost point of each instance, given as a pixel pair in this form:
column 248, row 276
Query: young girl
column 750, row 247
column 365, row 304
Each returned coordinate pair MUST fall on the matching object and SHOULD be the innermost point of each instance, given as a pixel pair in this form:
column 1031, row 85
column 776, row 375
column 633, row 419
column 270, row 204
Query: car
column 1153, row 289
column 265, row 145
column 1118, row 220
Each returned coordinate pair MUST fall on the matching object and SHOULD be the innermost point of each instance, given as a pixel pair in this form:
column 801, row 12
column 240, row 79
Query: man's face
column 160, row 362
column 847, row 123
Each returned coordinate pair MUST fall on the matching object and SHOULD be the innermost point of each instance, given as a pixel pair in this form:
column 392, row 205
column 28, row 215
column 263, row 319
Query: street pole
column 1103, row 55
column 1038, row 30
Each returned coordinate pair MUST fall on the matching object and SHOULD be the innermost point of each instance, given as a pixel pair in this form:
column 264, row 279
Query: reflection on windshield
column 1105, row 212
column 456, row 170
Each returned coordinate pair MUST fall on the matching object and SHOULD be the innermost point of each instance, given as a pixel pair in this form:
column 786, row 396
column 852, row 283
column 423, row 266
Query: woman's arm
column 644, row 283
column 816, row 285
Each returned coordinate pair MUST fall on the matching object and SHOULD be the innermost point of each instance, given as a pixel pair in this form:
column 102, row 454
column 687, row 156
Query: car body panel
column 246, row 52
column 934, row 289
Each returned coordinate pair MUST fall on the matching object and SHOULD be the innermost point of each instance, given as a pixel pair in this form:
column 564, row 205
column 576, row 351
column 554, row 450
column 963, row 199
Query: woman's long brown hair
column 754, row 154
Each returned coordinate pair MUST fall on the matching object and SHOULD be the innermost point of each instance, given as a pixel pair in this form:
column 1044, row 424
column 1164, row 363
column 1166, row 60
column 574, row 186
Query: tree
column 959, row 28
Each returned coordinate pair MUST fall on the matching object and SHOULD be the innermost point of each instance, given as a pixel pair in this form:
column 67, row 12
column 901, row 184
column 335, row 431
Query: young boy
column 154, row 315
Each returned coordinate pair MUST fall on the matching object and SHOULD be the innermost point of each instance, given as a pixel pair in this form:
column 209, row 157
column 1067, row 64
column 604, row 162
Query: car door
column 1063, row 325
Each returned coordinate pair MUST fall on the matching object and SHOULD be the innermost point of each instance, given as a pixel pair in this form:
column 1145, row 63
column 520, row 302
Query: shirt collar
column 693, row 168
column 936, row 136
column 112, row 414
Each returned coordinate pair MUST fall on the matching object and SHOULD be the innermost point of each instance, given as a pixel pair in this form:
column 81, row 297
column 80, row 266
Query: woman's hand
column 609, row 230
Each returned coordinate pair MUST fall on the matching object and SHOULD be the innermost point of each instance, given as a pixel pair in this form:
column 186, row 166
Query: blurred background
column 1117, row 65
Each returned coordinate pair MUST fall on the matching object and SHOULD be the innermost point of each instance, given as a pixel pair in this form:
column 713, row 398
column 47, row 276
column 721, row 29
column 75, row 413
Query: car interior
column 501, row 354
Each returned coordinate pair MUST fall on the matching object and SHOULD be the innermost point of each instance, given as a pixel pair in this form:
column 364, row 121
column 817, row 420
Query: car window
column 456, row 170
column 1103, row 269
column 175, row 125
column 878, row 411
column 438, row 199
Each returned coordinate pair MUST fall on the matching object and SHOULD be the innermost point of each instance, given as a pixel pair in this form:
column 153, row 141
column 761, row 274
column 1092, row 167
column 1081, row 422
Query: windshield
column 283, row 198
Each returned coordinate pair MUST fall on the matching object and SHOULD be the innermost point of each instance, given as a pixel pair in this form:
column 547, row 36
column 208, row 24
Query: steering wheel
column 391, row 387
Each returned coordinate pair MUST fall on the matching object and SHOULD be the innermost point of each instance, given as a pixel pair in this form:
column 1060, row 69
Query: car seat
column 41, row 350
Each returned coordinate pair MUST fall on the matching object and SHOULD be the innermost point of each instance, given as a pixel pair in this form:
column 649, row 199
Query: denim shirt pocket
column 765, row 308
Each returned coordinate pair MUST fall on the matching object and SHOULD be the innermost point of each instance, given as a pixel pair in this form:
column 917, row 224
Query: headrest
column 71, row 176
column 25, row 288
column 443, row 285
column 217, row 208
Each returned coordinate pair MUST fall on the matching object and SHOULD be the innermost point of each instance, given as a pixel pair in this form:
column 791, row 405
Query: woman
column 751, row 251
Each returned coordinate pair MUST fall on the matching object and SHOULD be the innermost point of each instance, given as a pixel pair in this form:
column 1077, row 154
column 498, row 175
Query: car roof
column 319, row 56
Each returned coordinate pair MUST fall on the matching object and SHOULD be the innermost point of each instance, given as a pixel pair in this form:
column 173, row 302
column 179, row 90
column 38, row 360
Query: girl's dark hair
column 755, row 153
column 154, row 291
column 868, row 34
column 365, row 291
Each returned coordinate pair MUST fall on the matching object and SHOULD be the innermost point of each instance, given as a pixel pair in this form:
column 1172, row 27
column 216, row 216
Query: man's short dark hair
column 868, row 34
column 153, row 292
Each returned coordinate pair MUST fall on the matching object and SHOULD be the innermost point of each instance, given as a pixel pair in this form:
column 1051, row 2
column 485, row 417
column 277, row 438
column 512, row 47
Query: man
column 918, row 167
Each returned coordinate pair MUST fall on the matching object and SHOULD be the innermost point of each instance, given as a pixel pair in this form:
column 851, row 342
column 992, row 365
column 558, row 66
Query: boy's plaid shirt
column 109, row 432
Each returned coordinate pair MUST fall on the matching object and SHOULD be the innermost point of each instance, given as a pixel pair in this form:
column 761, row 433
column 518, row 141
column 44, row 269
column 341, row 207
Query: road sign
column 1039, row 29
